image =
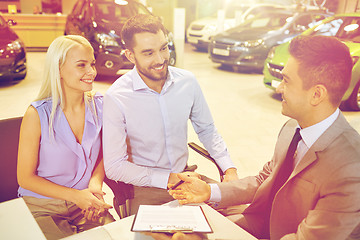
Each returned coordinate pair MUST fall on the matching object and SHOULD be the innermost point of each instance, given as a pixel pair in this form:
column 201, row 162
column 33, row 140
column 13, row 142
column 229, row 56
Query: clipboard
column 167, row 219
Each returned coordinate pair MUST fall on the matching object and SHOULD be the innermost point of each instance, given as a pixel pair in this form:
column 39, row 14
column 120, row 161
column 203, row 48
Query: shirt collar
column 139, row 84
column 169, row 81
column 311, row 134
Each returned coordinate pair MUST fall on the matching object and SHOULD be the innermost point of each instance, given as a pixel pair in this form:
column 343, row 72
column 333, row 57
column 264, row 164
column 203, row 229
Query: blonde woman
column 60, row 167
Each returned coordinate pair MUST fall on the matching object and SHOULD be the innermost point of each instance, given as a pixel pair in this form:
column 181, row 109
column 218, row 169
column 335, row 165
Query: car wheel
column 353, row 102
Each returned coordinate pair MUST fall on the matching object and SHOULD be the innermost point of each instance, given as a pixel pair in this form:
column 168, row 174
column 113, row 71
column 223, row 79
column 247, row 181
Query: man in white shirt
column 146, row 113
column 319, row 197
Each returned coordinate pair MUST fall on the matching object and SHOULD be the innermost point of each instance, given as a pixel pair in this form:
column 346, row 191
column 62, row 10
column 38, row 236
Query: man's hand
column 193, row 190
column 230, row 175
column 173, row 178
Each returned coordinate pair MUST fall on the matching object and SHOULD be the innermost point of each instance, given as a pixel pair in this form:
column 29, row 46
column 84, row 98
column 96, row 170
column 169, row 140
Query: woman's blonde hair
column 51, row 85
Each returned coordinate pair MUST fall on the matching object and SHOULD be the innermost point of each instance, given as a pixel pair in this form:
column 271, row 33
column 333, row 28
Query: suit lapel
column 256, row 208
column 321, row 144
column 282, row 146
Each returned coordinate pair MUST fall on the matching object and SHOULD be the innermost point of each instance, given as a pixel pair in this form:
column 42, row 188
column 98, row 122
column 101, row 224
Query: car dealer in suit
column 319, row 197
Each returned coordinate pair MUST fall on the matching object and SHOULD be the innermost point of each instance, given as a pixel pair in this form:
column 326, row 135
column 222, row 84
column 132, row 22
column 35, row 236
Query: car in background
column 346, row 27
column 200, row 31
column 247, row 45
column 12, row 53
column 101, row 21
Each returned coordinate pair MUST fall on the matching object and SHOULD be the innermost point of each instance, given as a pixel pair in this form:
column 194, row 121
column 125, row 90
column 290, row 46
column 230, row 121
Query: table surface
column 17, row 222
column 222, row 227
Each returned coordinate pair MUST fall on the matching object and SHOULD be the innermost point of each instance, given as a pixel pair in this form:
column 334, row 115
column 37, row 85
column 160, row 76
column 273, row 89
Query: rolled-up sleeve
column 203, row 125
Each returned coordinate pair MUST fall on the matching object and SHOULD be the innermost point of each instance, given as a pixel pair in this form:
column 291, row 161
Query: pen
column 177, row 184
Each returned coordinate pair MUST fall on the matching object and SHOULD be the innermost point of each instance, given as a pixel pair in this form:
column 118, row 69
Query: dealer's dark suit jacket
column 321, row 199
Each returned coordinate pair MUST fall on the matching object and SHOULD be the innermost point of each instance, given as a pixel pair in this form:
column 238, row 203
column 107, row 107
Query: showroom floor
column 246, row 113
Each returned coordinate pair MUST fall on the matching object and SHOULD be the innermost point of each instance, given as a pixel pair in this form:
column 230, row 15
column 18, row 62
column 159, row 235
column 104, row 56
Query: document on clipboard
column 165, row 218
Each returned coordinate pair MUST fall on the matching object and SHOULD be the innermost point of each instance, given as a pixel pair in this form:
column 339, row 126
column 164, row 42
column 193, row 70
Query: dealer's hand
column 193, row 190
column 173, row 177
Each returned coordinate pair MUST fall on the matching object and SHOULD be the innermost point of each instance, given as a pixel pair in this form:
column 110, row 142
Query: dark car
column 12, row 53
column 248, row 44
column 101, row 21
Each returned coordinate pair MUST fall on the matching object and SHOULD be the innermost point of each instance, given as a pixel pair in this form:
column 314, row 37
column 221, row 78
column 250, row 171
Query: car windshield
column 344, row 28
column 231, row 11
column 110, row 11
column 271, row 21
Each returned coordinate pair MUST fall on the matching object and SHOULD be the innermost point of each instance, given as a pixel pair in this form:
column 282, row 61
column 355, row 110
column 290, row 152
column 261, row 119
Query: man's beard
column 154, row 77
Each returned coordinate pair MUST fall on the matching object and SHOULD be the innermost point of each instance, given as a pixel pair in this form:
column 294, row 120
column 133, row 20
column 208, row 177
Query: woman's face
column 78, row 71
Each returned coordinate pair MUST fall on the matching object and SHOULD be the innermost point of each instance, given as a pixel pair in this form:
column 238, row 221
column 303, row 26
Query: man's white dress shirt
column 145, row 132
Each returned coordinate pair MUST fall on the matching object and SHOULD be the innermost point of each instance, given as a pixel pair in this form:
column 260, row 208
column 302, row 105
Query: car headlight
column 210, row 28
column 106, row 40
column 253, row 43
column 355, row 59
column 14, row 46
column 271, row 53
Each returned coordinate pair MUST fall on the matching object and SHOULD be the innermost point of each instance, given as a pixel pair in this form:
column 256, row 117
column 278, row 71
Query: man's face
column 296, row 100
column 150, row 55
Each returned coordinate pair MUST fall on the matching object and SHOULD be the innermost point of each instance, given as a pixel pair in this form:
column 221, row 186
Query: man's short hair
column 323, row 60
column 138, row 24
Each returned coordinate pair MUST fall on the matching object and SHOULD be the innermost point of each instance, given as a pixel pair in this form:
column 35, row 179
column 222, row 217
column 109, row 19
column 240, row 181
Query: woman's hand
column 92, row 204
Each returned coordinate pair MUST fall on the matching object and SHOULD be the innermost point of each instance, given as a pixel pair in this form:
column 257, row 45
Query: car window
column 257, row 10
column 230, row 12
column 140, row 9
column 271, row 21
column 77, row 8
column 300, row 23
column 349, row 30
column 345, row 28
column 115, row 12
column 109, row 11
column 303, row 22
column 84, row 12
column 328, row 28
column 316, row 19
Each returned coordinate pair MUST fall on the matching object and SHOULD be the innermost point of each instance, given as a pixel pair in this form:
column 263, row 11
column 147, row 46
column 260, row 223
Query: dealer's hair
column 323, row 60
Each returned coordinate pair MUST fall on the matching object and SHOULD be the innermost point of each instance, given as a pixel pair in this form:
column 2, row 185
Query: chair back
column 9, row 141
column 206, row 154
